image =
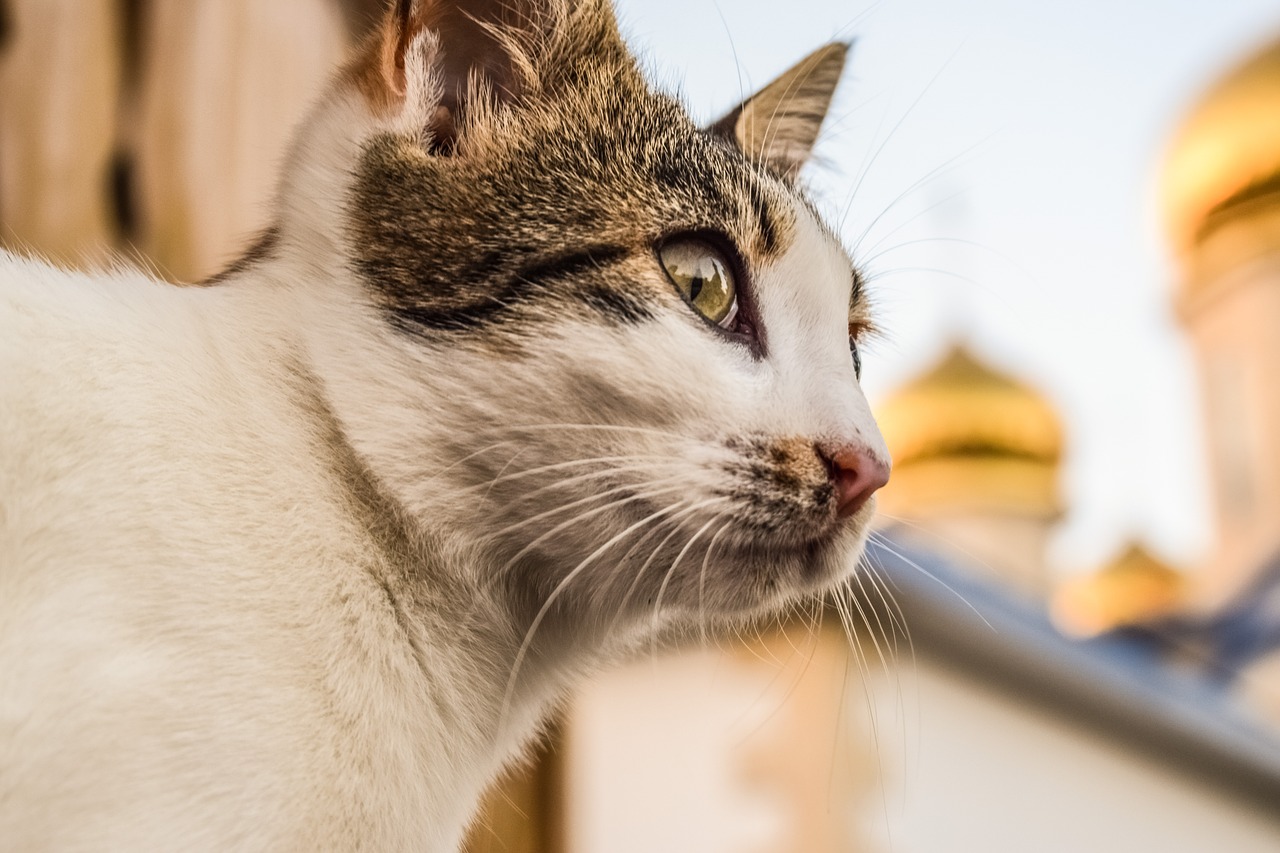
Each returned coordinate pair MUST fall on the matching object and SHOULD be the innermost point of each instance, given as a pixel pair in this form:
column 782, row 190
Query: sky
column 995, row 166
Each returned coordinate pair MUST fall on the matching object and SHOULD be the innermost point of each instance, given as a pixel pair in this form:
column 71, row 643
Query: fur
column 299, row 560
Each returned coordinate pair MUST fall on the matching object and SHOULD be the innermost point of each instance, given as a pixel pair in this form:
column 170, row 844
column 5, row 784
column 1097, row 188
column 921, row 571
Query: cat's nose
column 856, row 473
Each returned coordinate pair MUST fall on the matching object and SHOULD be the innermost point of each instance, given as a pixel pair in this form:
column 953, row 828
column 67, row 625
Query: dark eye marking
column 572, row 264
column 618, row 305
column 613, row 302
column 457, row 311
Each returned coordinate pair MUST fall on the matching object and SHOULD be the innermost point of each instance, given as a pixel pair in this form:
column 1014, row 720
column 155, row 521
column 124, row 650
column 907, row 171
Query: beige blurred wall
column 155, row 127
column 60, row 76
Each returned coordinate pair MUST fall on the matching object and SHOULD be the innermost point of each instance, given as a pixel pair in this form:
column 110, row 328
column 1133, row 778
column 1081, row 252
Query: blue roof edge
column 1113, row 685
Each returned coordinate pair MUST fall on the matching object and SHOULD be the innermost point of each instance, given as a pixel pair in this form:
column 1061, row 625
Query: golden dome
column 1135, row 587
column 963, row 435
column 1227, row 151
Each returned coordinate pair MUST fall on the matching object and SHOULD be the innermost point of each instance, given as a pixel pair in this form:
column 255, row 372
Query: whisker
column 856, row 601
column 951, row 542
column 880, row 582
column 533, row 519
column 873, row 712
column 877, row 576
column 881, row 542
column 652, row 431
column 967, row 279
column 702, row 582
column 577, row 479
column 936, row 172
column 560, row 466
column 657, row 601
column 555, row 594
column 889, row 636
column 635, row 582
column 502, row 471
column 466, row 458
column 877, row 253
column 866, row 170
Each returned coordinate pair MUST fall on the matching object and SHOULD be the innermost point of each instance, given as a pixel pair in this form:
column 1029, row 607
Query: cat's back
column 75, row 346
column 144, row 428
column 61, row 329
column 155, row 495
column 99, row 375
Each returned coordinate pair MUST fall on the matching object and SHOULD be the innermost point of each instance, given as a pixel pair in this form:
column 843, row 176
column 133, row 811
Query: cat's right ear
column 779, row 125
column 437, row 55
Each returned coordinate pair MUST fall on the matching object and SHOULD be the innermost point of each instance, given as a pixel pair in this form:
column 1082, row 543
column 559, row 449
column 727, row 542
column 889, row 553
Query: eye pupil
column 857, row 358
column 695, row 287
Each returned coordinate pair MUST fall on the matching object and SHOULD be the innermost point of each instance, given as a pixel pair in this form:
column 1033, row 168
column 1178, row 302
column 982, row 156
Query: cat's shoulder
column 28, row 276
column 110, row 381
column 59, row 318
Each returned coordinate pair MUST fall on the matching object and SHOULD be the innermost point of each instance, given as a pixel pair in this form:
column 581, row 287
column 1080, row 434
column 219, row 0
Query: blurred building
column 1222, row 203
column 1221, row 200
column 1133, row 588
column 976, row 459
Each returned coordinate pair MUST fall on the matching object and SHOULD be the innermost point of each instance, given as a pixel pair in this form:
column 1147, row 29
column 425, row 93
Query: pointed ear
column 778, row 125
column 452, row 44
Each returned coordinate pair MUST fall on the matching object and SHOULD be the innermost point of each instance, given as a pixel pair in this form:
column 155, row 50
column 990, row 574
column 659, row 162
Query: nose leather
column 856, row 473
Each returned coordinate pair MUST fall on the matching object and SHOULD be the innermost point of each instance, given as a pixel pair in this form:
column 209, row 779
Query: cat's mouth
column 808, row 549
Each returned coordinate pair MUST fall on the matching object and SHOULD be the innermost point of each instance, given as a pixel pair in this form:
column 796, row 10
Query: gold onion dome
column 1226, row 157
column 965, row 437
column 1134, row 588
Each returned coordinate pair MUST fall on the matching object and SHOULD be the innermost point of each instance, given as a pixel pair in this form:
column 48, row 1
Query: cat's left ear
column 439, row 55
column 779, row 125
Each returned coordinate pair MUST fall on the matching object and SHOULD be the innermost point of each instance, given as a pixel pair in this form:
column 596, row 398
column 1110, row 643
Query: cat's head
column 611, row 351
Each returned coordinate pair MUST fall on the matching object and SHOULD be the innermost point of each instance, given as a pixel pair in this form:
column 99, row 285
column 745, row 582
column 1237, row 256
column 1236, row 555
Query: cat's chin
column 758, row 578
column 819, row 563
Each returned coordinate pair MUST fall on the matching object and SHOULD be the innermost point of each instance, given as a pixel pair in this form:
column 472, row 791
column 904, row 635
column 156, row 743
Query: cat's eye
column 704, row 278
column 857, row 357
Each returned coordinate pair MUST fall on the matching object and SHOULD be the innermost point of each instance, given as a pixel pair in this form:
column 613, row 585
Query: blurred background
column 1067, row 635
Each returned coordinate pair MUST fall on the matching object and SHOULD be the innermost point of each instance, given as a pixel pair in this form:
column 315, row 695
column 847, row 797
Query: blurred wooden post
column 59, row 87
column 812, row 755
column 224, row 83
column 749, row 746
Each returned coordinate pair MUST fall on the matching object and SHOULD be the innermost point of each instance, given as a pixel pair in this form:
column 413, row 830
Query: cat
column 528, row 372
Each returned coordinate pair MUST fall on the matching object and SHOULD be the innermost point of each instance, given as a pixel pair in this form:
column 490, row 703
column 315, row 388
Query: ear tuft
column 779, row 125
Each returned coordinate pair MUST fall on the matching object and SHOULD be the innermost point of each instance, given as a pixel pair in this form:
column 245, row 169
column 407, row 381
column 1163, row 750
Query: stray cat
column 527, row 372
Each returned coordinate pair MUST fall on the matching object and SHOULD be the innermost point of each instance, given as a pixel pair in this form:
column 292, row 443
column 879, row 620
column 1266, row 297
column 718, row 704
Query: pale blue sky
column 1008, row 155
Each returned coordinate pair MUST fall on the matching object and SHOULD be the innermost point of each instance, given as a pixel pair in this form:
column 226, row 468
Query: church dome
column 1227, row 153
column 1133, row 588
column 965, row 436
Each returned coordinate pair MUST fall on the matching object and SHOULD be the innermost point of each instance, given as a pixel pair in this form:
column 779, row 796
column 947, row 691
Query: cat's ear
column 441, row 53
column 779, row 124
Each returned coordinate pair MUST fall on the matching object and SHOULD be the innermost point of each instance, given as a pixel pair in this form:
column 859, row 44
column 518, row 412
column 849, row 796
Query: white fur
column 186, row 596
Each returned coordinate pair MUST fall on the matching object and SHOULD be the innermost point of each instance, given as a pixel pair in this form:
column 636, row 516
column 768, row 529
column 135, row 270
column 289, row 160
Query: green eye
column 701, row 274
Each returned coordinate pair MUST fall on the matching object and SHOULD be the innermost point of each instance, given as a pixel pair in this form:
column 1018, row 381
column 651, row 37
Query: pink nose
column 856, row 473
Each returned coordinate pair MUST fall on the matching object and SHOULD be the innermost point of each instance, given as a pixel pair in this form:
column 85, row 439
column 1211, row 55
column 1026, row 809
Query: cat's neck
column 466, row 715
column 422, row 650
